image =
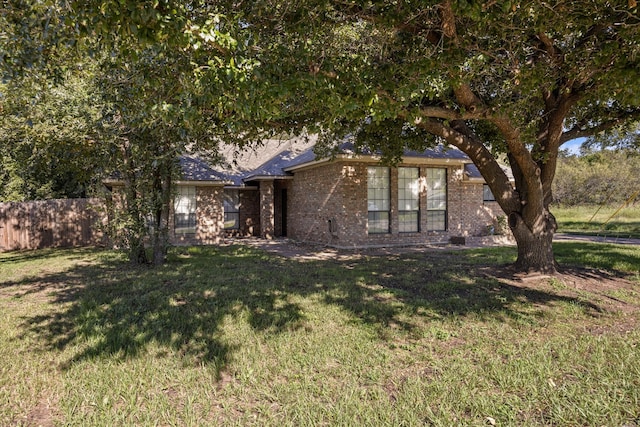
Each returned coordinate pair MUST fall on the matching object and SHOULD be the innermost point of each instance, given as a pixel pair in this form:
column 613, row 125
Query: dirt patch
column 605, row 290
column 42, row 415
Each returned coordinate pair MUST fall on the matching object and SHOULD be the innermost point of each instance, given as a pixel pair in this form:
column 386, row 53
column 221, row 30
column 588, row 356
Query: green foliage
column 160, row 78
column 490, row 78
column 382, row 60
column 49, row 133
column 602, row 177
column 612, row 220
column 493, row 79
column 625, row 136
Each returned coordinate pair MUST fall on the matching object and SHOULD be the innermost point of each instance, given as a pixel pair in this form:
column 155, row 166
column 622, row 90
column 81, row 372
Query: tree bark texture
column 535, row 250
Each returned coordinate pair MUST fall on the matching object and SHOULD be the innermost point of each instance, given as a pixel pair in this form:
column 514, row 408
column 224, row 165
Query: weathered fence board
column 51, row 223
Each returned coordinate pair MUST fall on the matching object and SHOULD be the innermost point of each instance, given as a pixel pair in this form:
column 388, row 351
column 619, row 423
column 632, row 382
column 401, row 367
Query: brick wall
column 334, row 195
column 267, row 209
column 209, row 214
column 328, row 205
column 469, row 215
column 209, row 218
column 249, row 213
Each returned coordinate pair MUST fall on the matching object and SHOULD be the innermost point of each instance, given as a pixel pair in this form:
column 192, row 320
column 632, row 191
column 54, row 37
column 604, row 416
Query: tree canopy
column 498, row 80
column 517, row 79
column 48, row 133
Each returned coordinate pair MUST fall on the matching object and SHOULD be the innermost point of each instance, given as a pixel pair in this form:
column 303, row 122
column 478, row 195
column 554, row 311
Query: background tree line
column 597, row 176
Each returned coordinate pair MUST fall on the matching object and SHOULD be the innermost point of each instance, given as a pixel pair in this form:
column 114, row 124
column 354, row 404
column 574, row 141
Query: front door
column 283, row 200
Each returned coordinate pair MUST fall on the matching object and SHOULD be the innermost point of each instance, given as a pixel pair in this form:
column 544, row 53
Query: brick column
column 267, row 210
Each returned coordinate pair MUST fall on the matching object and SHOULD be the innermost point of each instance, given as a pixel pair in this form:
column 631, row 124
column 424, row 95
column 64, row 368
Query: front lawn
column 610, row 221
column 236, row 336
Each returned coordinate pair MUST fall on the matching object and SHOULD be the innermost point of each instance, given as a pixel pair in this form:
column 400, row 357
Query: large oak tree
column 498, row 80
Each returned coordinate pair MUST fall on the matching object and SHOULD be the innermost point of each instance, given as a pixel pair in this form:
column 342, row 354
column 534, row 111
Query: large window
column 408, row 200
column 231, row 209
column 378, row 196
column 436, row 199
column 185, row 210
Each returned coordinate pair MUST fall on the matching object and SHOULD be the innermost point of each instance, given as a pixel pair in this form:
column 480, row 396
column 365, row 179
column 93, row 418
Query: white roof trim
column 204, row 183
column 266, row 177
column 376, row 159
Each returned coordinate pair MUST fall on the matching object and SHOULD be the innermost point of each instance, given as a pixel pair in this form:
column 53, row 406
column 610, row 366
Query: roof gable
column 278, row 159
column 195, row 169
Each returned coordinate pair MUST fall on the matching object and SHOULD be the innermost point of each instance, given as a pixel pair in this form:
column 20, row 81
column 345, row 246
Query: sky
column 573, row 146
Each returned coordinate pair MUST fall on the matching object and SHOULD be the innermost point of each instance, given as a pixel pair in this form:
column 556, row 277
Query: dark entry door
column 283, row 207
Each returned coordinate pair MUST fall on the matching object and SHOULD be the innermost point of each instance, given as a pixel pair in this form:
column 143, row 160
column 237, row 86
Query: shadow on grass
column 41, row 255
column 111, row 309
column 605, row 256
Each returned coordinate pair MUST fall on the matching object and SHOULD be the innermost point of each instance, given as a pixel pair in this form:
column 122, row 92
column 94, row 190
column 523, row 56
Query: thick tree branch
column 555, row 54
column 461, row 137
column 448, row 114
column 578, row 131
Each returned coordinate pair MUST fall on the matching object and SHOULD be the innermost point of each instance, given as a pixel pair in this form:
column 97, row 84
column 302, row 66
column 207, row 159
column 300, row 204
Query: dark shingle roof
column 347, row 148
column 282, row 156
column 275, row 166
column 471, row 171
column 195, row 169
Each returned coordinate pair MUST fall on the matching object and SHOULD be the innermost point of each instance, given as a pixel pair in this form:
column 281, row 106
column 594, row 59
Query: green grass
column 235, row 336
column 581, row 220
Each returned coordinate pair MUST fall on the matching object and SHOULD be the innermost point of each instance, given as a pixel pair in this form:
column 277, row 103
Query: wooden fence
column 51, row 223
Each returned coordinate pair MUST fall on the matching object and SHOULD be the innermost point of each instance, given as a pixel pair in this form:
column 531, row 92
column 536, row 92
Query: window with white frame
column 378, row 199
column 231, row 209
column 487, row 194
column 408, row 200
column 185, row 210
column 436, row 199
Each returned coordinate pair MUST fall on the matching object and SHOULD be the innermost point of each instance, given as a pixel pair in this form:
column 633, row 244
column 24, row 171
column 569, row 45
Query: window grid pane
column 378, row 222
column 231, row 220
column 185, row 210
column 436, row 199
column 408, row 221
column 231, row 209
column 379, row 195
column 408, row 199
column 436, row 220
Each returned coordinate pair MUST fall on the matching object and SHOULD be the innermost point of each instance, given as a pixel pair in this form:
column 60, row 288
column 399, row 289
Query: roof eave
column 204, row 183
column 376, row 159
column 266, row 177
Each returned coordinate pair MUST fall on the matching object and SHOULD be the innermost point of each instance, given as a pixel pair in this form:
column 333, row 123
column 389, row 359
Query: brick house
column 347, row 201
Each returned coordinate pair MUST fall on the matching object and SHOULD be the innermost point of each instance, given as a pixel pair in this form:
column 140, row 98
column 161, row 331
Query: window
column 487, row 195
column 231, row 209
column 436, row 199
column 185, row 210
column 378, row 196
column 408, row 199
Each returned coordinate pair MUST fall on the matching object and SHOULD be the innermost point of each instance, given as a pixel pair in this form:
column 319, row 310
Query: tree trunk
column 535, row 250
column 161, row 235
